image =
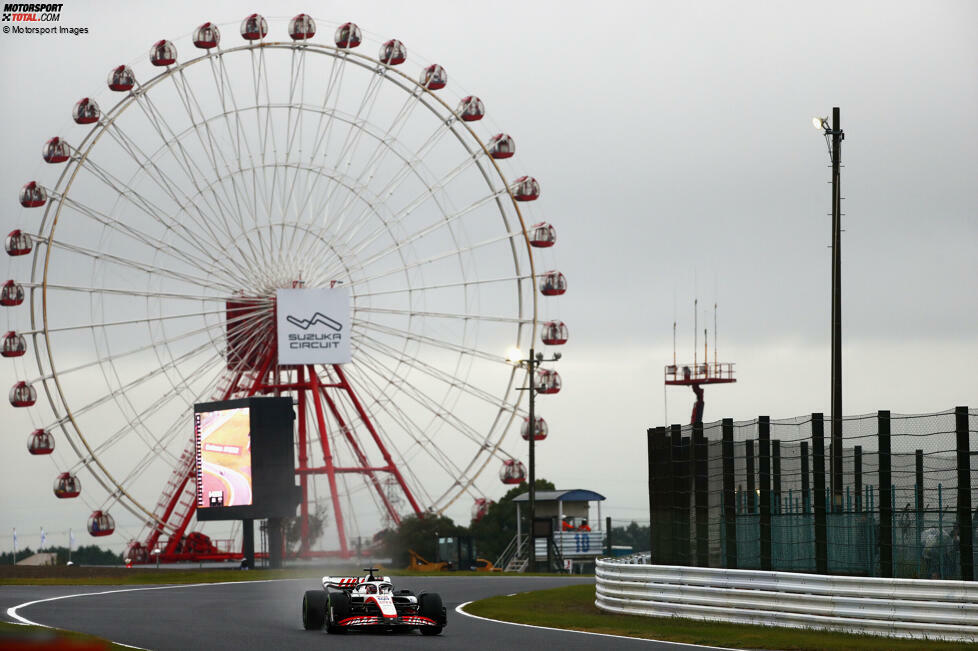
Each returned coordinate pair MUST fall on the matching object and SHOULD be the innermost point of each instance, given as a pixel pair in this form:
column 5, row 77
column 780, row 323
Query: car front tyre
column 430, row 606
column 313, row 610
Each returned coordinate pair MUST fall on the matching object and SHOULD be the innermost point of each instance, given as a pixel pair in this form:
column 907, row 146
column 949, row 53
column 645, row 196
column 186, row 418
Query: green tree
column 293, row 528
column 420, row 534
column 494, row 531
column 637, row 536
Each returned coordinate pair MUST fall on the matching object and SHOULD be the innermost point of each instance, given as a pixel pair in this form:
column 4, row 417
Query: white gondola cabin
column 254, row 27
column 554, row 333
column 22, row 395
column 121, row 79
column 86, row 111
column 33, row 195
column 163, row 53
column 471, row 109
column 553, row 283
column 348, row 35
column 18, row 243
column 542, row 235
column 55, row 150
column 12, row 293
column 434, row 77
column 512, row 472
column 40, row 442
column 539, row 432
column 526, row 188
column 207, row 36
column 13, row 344
column 67, row 486
column 501, row 146
column 393, row 52
column 100, row 523
column 302, row 27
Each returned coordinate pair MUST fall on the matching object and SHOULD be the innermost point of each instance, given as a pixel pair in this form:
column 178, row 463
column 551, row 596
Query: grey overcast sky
column 674, row 145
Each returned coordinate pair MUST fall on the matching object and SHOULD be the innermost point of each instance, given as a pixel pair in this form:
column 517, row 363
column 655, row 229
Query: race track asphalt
column 266, row 615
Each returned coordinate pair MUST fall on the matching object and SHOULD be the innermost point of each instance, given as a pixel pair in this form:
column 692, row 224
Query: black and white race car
column 370, row 602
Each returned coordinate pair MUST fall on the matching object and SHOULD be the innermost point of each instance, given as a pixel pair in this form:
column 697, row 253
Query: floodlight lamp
column 514, row 355
column 821, row 123
column 556, row 356
column 539, row 357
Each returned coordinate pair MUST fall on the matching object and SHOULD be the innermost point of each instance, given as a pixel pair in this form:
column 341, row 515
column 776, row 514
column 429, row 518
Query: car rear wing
column 342, row 582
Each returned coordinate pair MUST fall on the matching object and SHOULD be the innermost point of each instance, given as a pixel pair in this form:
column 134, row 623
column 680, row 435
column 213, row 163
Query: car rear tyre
column 430, row 606
column 337, row 609
column 313, row 610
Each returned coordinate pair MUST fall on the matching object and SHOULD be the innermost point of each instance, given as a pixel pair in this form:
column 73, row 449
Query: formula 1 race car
column 370, row 602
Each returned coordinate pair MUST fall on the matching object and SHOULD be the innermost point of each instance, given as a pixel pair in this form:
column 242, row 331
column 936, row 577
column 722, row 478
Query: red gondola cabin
column 12, row 344
column 434, row 77
column 501, row 146
column 33, row 195
column 121, row 79
column 512, row 472
column 548, row 381
column 66, row 486
column 163, row 53
column 393, row 52
column 55, row 150
column 254, row 27
column 11, row 294
column 553, row 283
column 526, row 188
column 302, row 27
column 554, row 333
column 480, row 508
column 22, row 395
column 86, row 111
column 40, row 442
column 207, row 36
column 539, row 432
column 101, row 523
column 542, row 235
column 18, row 243
column 348, row 35
column 471, row 109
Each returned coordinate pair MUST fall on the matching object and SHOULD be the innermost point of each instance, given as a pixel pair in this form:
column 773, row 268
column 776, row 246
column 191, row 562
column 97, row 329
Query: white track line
column 460, row 611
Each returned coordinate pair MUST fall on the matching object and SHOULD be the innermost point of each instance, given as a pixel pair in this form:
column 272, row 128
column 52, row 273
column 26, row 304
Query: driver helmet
column 370, row 588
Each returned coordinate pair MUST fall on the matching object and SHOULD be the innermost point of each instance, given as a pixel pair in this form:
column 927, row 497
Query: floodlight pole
column 533, row 474
column 836, row 434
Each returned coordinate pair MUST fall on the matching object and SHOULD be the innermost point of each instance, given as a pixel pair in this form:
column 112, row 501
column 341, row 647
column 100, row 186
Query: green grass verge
column 144, row 576
column 573, row 608
column 17, row 636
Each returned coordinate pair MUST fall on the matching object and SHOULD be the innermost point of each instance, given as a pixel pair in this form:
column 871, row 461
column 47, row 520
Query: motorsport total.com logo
column 31, row 13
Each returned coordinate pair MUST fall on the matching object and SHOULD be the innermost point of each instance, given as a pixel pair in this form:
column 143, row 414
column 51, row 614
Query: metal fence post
column 701, row 487
column 806, row 491
column 965, row 530
column 818, row 501
column 679, row 544
column 776, row 463
column 729, row 497
column 857, row 470
column 751, row 490
column 764, row 456
column 886, row 495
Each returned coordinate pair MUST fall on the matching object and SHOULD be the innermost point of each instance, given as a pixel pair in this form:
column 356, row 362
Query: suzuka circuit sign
column 313, row 326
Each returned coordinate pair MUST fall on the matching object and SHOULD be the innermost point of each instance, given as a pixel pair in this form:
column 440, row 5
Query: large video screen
column 224, row 458
column 245, row 458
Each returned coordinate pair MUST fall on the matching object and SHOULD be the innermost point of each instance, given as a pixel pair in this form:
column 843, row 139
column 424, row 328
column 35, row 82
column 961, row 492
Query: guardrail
column 914, row 608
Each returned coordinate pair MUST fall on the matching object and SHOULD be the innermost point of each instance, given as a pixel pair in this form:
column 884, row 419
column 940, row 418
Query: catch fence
column 758, row 495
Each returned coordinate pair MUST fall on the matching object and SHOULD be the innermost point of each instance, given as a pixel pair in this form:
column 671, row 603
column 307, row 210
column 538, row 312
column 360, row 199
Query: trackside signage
column 313, row 326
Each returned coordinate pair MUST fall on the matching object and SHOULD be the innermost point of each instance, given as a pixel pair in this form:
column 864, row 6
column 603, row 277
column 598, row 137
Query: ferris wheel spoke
column 193, row 172
column 447, row 379
column 224, row 169
column 443, row 344
column 137, row 235
column 128, row 292
column 443, row 315
column 188, row 206
column 104, row 324
column 390, row 407
column 141, row 266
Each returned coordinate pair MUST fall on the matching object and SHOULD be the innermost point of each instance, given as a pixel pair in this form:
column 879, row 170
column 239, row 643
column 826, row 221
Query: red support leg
column 328, row 459
column 303, row 464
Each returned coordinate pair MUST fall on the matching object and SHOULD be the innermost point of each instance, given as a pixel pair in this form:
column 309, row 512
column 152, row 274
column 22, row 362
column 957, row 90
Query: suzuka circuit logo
column 317, row 318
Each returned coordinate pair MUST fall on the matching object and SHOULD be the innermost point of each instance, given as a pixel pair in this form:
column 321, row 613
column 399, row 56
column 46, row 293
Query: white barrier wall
column 896, row 607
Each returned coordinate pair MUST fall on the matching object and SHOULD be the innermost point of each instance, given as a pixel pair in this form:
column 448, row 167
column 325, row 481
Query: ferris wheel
column 195, row 187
